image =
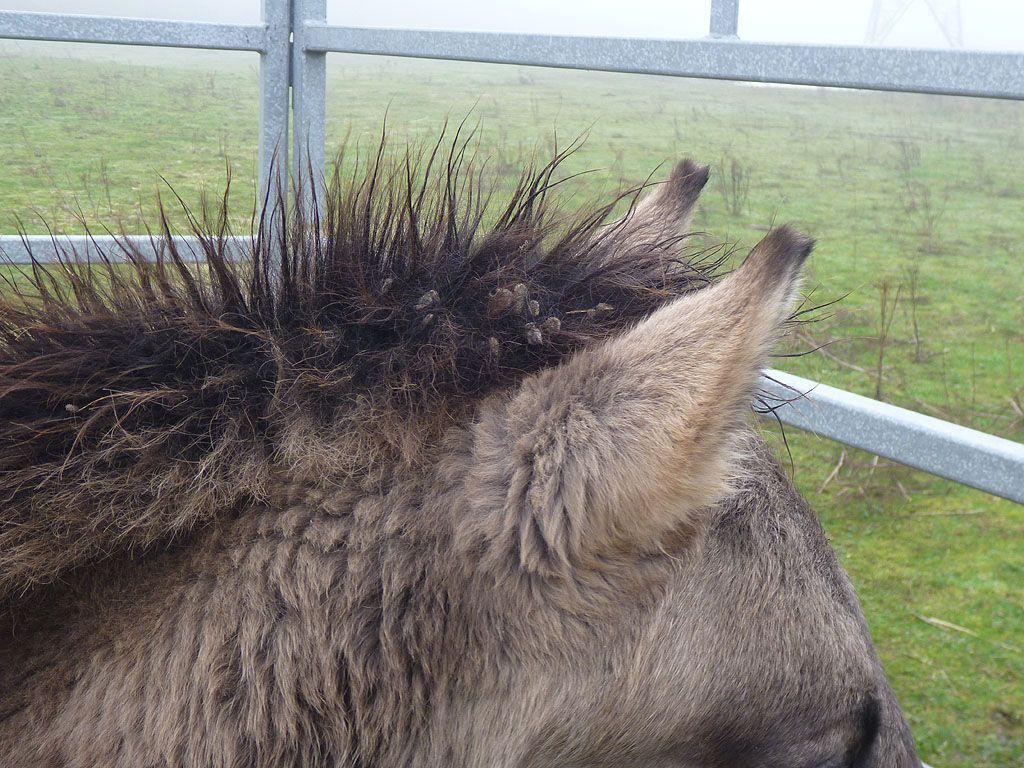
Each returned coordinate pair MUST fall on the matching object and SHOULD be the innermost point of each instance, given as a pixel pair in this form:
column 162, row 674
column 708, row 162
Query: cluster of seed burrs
column 517, row 302
column 425, row 302
column 515, row 305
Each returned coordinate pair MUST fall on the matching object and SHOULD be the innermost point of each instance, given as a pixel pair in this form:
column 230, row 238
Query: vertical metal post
column 309, row 93
column 725, row 18
column 274, row 63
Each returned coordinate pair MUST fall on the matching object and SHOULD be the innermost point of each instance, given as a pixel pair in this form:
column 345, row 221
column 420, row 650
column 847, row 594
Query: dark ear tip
column 688, row 176
column 789, row 244
column 780, row 254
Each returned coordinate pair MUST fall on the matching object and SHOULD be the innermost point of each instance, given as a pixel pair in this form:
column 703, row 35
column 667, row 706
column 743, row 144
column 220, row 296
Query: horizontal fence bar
column 17, row 249
column 963, row 73
column 119, row 30
column 977, row 459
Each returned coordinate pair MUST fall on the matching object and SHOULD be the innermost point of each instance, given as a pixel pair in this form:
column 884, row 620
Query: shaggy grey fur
column 596, row 565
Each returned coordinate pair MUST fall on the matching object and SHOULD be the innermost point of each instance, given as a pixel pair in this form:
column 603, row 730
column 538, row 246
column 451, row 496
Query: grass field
column 916, row 202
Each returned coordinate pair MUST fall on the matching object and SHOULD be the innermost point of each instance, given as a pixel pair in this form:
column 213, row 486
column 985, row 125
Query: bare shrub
column 886, row 313
column 734, row 184
column 912, row 283
column 922, row 204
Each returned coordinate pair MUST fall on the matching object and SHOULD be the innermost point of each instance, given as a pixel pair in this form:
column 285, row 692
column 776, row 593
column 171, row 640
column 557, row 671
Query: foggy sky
column 987, row 24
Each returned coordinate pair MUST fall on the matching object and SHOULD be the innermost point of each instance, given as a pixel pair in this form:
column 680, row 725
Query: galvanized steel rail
column 50, row 249
column 964, row 73
column 974, row 458
column 72, row 28
column 294, row 38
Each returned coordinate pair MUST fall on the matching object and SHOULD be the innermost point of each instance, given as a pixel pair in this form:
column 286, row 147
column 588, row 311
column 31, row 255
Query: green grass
column 889, row 184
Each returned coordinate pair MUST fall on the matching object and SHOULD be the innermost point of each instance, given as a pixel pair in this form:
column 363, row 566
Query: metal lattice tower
column 886, row 14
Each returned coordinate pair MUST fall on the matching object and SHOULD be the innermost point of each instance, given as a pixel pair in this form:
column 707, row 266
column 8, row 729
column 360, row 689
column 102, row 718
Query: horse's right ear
column 627, row 441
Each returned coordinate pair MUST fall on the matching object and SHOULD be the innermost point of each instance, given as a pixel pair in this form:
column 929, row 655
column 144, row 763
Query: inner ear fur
column 629, row 440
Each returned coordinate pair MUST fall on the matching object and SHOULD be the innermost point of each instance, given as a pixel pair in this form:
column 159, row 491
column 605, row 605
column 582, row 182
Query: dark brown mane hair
column 139, row 398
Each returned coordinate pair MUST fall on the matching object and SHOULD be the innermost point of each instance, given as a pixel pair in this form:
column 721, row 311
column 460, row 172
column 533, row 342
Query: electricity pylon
column 886, row 14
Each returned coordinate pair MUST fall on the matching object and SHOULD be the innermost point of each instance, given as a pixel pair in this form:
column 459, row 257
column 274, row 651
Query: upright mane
column 140, row 398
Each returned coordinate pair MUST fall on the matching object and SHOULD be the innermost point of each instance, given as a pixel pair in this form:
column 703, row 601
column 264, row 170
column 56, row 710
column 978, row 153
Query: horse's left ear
column 628, row 440
column 665, row 214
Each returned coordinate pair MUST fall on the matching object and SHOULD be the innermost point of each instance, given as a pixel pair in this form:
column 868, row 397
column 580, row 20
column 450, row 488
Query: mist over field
column 987, row 24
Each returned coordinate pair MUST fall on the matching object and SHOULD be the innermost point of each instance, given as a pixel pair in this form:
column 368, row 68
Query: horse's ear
column 665, row 214
column 627, row 441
